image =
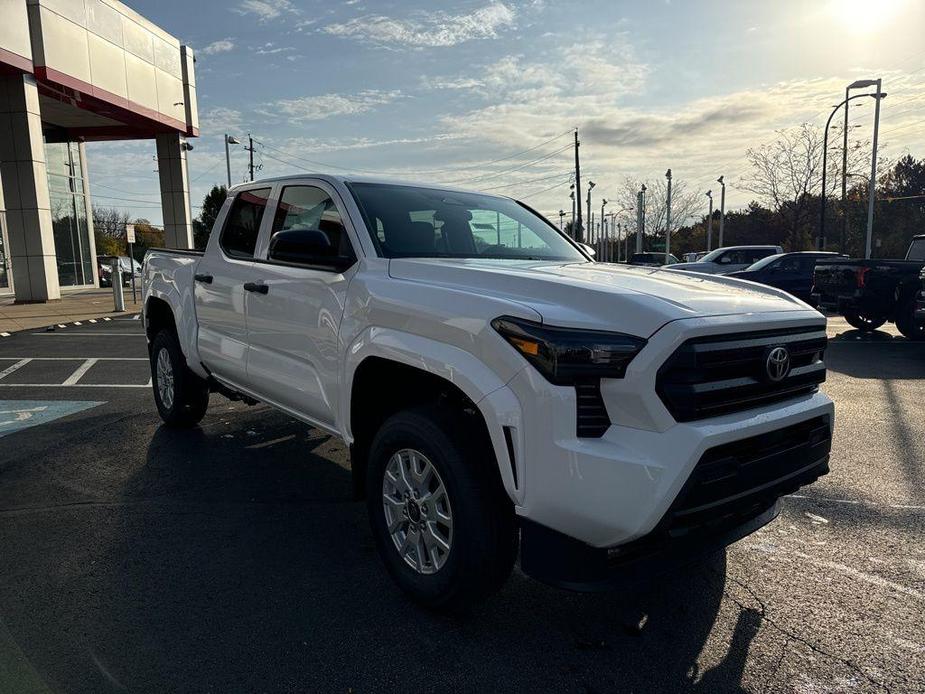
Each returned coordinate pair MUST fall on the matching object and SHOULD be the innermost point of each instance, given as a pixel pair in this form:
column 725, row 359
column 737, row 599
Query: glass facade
column 69, row 214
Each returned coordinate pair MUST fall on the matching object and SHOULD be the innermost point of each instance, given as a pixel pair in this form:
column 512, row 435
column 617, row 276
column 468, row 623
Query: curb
column 77, row 323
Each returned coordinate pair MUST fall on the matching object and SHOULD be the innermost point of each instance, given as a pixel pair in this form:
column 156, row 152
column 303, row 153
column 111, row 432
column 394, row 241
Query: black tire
column 484, row 537
column 862, row 321
column 190, row 393
column 906, row 322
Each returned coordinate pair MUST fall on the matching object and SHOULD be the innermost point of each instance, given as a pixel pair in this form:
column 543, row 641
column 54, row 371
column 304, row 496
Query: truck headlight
column 567, row 355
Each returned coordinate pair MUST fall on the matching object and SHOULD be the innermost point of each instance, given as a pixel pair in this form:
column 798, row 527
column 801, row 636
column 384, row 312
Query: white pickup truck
column 496, row 386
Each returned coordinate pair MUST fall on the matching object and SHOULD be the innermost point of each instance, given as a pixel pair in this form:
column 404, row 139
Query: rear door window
column 916, row 250
column 239, row 235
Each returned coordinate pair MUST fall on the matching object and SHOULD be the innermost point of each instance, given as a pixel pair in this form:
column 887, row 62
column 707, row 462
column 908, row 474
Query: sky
column 485, row 95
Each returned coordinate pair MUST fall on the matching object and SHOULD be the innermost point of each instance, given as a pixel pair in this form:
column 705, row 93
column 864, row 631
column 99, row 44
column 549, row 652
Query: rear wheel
column 181, row 396
column 862, row 321
column 907, row 323
column 442, row 523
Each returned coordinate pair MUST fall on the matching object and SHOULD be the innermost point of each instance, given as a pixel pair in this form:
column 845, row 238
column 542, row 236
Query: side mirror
column 588, row 249
column 310, row 247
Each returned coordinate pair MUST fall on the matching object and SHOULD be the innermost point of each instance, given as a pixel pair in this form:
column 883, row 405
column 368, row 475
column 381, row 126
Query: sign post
column 130, row 238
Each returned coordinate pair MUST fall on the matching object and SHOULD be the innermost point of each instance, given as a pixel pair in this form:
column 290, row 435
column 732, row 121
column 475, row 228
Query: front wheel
column 180, row 395
column 442, row 523
column 864, row 322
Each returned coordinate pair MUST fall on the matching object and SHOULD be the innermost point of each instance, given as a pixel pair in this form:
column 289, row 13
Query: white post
column 722, row 210
column 640, row 217
column 872, row 188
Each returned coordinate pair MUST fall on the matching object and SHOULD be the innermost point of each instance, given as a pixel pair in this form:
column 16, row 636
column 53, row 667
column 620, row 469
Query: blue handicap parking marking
column 22, row 414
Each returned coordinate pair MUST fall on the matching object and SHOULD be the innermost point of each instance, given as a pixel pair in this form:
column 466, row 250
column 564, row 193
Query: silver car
column 729, row 259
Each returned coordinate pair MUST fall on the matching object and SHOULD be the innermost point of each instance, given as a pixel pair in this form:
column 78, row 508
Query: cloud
column 311, row 108
column 427, row 29
column 220, row 46
column 265, row 10
column 220, row 119
column 270, row 48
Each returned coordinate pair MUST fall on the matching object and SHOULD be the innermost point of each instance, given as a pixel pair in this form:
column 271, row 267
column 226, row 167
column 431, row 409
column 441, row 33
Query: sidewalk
column 77, row 305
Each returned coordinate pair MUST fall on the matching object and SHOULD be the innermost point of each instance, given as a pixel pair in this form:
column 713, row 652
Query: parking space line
column 15, row 367
column 73, row 385
column 89, row 334
column 79, row 373
column 78, row 358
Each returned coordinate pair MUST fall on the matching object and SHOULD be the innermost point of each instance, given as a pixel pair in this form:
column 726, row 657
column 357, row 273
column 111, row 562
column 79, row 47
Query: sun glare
column 863, row 16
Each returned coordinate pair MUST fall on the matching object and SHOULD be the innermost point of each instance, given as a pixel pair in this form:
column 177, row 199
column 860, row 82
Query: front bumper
column 610, row 491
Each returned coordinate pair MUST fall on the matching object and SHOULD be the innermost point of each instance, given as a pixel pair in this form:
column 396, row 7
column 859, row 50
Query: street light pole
column 590, row 223
column 722, row 210
column 603, row 236
column 872, row 188
column 640, row 216
column 857, row 84
column 820, row 239
column 710, row 222
column 229, row 140
column 561, row 217
column 668, row 219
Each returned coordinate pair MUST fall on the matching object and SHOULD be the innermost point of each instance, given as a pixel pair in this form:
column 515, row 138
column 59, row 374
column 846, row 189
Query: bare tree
column 683, row 203
column 109, row 221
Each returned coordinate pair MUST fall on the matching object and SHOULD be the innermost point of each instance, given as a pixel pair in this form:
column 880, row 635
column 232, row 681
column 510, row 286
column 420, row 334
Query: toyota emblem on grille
column 777, row 364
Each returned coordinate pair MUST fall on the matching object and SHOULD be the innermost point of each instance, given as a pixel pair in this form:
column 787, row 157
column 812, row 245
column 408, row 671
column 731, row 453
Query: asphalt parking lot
column 232, row 558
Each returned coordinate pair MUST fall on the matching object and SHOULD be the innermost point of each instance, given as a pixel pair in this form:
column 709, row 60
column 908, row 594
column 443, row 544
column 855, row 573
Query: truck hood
column 634, row 300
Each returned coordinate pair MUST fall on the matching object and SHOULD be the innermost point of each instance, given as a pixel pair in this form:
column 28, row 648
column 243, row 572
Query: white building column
column 25, row 191
column 171, row 166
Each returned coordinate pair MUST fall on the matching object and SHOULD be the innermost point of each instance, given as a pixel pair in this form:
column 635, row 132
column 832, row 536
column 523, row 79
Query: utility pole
column 572, row 196
column 640, row 216
column 872, row 188
column 722, row 210
column 668, row 219
column 710, row 222
column 577, row 232
column 250, row 149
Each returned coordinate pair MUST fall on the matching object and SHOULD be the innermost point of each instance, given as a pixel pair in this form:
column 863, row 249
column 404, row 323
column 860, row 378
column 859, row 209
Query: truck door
column 219, row 286
column 294, row 320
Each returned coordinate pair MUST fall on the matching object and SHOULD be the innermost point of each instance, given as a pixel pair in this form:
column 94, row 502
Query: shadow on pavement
column 877, row 355
column 236, row 566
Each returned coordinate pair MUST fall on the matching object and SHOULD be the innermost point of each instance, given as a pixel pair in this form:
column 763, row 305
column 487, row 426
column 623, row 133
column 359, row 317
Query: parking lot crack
column 792, row 636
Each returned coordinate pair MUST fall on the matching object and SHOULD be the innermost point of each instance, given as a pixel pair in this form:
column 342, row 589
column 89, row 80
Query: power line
column 516, row 168
column 529, row 181
column 555, row 185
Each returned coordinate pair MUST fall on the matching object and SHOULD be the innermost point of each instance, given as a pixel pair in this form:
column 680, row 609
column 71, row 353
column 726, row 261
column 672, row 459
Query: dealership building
column 71, row 72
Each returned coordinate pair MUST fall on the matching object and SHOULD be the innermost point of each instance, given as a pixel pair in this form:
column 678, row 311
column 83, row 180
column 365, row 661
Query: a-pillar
column 25, row 191
column 171, row 166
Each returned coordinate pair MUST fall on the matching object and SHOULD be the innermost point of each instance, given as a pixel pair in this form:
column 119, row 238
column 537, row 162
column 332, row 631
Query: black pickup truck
column 870, row 292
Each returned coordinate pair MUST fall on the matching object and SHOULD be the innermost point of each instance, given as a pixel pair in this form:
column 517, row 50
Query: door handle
column 256, row 287
column 205, row 279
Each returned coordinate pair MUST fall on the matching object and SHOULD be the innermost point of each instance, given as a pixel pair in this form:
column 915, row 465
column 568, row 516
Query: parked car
column 869, row 293
column 495, row 385
column 104, row 269
column 651, row 259
column 694, row 256
column 792, row 272
column 920, row 300
column 729, row 259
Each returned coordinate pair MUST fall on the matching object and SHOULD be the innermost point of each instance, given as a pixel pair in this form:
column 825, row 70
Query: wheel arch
column 381, row 384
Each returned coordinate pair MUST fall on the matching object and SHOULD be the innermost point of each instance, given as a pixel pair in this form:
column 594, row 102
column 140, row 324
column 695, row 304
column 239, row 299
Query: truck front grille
column 720, row 374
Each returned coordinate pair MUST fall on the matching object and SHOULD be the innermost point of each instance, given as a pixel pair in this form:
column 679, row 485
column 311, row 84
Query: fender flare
column 496, row 403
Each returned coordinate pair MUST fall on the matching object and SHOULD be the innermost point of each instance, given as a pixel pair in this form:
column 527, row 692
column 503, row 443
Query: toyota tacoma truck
column 501, row 393
column 868, row 293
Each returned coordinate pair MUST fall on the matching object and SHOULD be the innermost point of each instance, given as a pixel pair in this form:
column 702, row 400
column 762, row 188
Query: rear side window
column 916, row 250
column 239, row 236
column 308, row 207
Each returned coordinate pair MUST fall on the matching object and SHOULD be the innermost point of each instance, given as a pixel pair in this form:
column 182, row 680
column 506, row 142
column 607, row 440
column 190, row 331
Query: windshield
column 712, row 256
column 763, row 263
column 407, row 221
column 916, row 250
